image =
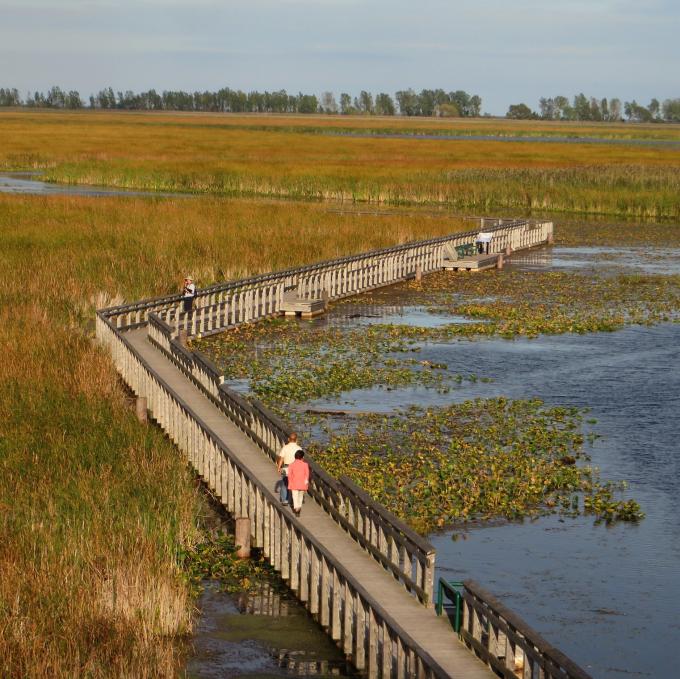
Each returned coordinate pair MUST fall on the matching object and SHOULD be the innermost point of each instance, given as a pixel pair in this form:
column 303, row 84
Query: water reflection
column 607, row 260
column 265, row 633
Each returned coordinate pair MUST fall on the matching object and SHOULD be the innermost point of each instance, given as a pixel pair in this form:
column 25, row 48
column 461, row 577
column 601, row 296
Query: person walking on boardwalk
column 298, row 481
column 284, row 459
column 188, row 294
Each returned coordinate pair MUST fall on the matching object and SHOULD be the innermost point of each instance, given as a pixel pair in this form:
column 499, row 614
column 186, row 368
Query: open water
column 609, row 597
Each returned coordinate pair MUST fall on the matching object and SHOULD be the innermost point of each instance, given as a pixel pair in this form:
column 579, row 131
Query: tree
column 562, row 108
column 426, row 102
column 408, row 102
column 447, row 111
column 548, row 109
column 636, row 113
column 581, row 107
column 475, row 105
column 73, row 100
column 384, row 104
column 604, row 108
column 654, row 109
column 671, row 110
column 307, row 103
column 365, row 102
column 328, row 103
column 520, row 112
column 346, row 104
column 10, row 97
column 615, row 109
column 595, row 112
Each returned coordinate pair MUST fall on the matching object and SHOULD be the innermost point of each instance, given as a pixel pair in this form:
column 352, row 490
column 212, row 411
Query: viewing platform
column 474, row 263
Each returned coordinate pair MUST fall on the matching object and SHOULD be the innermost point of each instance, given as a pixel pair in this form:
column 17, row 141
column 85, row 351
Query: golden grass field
column 296, row 157
column 93, row 506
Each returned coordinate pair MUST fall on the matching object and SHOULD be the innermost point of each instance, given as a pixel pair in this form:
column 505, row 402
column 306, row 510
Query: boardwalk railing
column 353, row 617
column 402, row 551
column 228, row 304
column 506, row 643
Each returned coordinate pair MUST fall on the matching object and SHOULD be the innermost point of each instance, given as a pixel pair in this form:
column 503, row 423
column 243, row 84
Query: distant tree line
column 591, row 108
column 405, row 102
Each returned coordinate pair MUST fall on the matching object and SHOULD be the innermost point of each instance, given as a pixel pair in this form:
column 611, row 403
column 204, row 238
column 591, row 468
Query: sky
column 506, row 51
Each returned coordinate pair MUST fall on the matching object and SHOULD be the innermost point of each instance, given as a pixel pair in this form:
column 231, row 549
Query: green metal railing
column 447, row 588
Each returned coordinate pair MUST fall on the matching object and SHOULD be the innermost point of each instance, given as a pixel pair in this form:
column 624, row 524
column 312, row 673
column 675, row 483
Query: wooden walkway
column 473, row 262
column 433, row 633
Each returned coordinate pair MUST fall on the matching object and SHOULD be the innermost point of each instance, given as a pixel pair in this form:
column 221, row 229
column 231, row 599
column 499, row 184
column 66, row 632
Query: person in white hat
column 188, row 294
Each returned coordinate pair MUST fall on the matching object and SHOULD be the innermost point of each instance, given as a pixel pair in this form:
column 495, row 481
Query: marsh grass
column 275, row 157
column 98, row 512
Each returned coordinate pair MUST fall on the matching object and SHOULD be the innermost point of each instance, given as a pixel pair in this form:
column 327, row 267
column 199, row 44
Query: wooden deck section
column 433, row 633
column 472, row 263
column 306, row 308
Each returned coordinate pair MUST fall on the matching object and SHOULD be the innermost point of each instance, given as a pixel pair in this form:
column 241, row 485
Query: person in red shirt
column 298, row 480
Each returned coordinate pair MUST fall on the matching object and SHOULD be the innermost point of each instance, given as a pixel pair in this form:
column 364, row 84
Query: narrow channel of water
column 29, row 183
column 260, row 635
column 509, row 139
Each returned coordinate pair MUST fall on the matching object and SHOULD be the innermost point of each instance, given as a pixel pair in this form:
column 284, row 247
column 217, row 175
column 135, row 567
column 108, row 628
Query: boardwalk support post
column 500, row 263
column 242, row 537
column 141, row 409
column 419, row 274
column 182, row 337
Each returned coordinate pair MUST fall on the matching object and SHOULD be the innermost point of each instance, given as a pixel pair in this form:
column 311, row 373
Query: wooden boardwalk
column 432, row 633
column 363, row 573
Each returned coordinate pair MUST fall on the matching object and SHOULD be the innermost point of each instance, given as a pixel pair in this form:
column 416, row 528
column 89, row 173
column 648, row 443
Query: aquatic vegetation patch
column 479, row 459
column 289, row 362
column 432, row 467
column 521, row 303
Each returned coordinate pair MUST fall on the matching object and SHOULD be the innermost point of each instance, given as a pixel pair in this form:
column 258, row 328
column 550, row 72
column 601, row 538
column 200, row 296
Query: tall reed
column 93, row 506
column 275, row 157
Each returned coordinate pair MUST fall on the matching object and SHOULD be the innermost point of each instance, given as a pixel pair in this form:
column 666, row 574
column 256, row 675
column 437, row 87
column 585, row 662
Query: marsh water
column 260, row 635
column 608, row 596
column 30, row 183
column 528, row 139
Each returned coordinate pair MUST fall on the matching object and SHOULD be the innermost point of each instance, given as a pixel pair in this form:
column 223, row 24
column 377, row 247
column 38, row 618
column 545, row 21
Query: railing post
column 242, row 538
column 141, row 408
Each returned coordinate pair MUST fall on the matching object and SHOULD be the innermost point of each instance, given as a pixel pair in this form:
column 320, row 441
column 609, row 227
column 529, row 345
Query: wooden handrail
column 294, row 271
column 494, row 617
column 430, row 666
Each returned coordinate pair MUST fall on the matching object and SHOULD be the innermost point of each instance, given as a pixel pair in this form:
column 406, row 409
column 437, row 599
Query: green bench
column 466, row 249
